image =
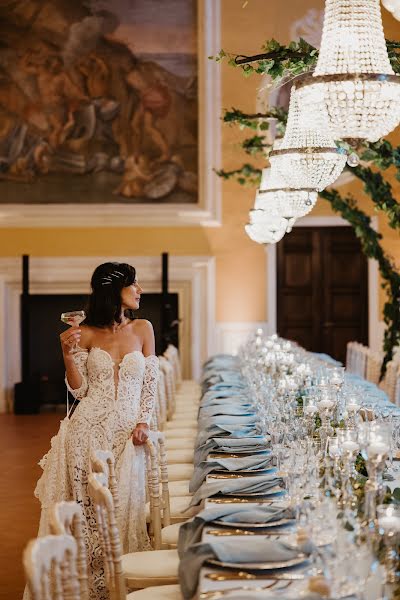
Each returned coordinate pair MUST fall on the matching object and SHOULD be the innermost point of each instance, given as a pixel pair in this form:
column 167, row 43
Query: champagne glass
column 73, row 318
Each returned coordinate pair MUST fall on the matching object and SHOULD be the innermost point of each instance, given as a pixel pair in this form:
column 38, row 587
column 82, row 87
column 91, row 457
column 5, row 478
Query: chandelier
column 307, row 156
column 277, row 199
column 264, row 228
column 353, row 76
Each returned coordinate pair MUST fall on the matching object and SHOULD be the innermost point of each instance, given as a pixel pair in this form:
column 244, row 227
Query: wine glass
column 73, row 318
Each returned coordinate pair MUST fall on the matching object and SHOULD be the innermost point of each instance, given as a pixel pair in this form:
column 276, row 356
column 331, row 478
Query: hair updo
column 104, row 305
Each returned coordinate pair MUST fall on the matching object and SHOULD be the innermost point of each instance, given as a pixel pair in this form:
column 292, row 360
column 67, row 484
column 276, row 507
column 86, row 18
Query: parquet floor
column 23, row 441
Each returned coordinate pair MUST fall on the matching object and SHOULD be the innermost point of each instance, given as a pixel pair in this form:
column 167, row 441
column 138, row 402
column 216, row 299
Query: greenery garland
column 283, row 63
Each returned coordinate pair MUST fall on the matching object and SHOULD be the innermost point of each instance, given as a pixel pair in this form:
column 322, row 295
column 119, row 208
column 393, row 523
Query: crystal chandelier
column 277, row 199
column 307, row 156
column 353, row 76
column 267, row 229
column 393, row 6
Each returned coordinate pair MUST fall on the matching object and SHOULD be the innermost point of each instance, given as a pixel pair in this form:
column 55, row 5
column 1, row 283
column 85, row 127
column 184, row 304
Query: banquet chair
column 66, row 518
column 173, row 507
column 103, row 461
column 136, row 569
column 51, row 568
column 374, row 363
column 172, row 354
column 388, row 384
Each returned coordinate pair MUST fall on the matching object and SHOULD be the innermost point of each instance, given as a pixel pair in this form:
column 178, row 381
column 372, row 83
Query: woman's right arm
column 68, row 340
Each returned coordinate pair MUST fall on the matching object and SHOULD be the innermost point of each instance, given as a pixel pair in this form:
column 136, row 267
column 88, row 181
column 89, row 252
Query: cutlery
column 226, row 532
column 243, row 575
column 218, row 593
column 239, row 501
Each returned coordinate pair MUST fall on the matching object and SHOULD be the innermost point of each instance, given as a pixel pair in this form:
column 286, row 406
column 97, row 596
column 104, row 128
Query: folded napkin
column 228, row 444
column 212, row 431
column 253, row 549
column 191, row 531
column 226, row 409
column 248, row 485
column 228, row 420
column 244, row 463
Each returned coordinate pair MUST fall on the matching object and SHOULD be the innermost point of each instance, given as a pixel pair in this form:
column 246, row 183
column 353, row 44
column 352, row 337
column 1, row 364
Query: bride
column 112, row 370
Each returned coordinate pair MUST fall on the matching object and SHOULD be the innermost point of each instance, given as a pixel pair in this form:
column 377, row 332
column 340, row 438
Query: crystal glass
column 73, row 318
column 389, row 527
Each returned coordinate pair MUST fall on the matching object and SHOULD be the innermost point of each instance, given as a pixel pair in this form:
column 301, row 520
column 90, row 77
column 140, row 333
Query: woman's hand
column 70, row 338
column 140, row 434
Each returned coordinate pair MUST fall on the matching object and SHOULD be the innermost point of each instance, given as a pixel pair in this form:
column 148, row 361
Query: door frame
column 375, row 326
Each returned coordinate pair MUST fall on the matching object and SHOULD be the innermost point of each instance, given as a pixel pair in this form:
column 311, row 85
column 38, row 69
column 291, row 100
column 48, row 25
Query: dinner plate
column 238, row 454
column 243, row 473
column 271, row 492
column 238, row 525
column 260, row 566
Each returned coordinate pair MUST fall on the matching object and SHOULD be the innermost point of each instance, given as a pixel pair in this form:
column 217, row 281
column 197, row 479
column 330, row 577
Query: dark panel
column 322, row 287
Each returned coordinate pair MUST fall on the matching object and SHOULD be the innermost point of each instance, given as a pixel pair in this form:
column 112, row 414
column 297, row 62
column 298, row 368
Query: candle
column 350, row 446
column 322, row 404
column 310, row 409
column 377, row 448
column 389, row 523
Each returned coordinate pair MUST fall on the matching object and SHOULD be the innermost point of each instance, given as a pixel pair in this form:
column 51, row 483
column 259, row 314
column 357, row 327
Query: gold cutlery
column 239, row 501
column 227, row 532
column 218, row 593
column 228, row 476
column 243, row 575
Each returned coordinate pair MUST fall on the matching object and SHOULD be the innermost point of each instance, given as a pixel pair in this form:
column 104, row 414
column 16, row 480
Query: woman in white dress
column 112, row 370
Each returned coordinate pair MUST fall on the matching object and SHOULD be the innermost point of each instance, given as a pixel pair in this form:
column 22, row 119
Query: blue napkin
column 191, row 531
column 212, row 431
column 257, row 549
column 257, row 484
column 241, row 445
column 244, row 463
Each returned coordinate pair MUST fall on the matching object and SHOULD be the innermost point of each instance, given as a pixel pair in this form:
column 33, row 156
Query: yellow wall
column 241, row 268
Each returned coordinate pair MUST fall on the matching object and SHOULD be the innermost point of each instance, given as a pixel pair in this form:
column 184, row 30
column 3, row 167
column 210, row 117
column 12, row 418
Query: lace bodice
column 135, row 387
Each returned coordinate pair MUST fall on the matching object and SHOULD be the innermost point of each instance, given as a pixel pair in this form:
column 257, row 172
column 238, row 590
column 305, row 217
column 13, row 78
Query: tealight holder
column 374, row 438
column 326, row 406
column 388, row 517
column 349, row 446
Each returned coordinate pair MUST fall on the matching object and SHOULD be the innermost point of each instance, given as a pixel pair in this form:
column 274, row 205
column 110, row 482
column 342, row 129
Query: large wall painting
column 98, row 102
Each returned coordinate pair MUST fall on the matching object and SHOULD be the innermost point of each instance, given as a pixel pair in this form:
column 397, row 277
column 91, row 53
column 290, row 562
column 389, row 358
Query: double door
column 322, row 289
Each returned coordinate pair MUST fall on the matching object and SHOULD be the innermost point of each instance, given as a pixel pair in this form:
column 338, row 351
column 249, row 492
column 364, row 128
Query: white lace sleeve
column 80, row 360
column 149, row 389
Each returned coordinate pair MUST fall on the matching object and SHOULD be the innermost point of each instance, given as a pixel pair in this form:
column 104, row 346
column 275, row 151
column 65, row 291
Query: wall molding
column 375, row 326
column 192, row 277
column 206, row 212
column 231, row 335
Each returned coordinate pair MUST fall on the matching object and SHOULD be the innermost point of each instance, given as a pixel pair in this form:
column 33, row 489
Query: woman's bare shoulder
column 87, row 333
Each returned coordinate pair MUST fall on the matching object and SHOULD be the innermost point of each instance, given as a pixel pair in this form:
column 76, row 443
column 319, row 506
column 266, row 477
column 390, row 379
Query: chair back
column 50, row 565
column 103, row 461
column 167, row 369
column 108, row 535
column 172, row 354
column 66, row 518
column 374, row 363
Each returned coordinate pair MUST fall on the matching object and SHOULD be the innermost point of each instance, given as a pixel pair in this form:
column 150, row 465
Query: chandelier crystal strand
column 264, row 228
column 307, row 156
column 277, row 199
column 353, row 76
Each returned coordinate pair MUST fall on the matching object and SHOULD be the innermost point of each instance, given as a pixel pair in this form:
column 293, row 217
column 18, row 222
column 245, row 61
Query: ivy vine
column 283, row 63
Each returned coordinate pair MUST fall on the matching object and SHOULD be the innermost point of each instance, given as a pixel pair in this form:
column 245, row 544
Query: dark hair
column 104, row 305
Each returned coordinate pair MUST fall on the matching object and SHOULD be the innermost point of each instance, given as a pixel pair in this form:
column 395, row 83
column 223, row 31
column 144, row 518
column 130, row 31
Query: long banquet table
column 228, row 423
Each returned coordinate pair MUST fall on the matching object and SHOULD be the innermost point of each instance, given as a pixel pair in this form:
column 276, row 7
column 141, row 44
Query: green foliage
column 286, row 62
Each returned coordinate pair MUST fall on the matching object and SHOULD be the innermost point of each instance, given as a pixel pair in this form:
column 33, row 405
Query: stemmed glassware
column 73, row 318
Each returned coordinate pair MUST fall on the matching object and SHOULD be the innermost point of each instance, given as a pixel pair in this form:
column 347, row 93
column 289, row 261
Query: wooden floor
column 23, row 441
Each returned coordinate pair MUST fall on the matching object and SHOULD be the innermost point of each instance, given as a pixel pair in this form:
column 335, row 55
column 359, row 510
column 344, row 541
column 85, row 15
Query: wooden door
column 322, row 289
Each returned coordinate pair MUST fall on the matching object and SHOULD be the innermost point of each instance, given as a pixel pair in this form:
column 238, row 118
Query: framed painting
column 105, row 111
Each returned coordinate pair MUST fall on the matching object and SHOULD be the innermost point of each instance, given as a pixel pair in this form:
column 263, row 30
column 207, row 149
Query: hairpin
column 106, row 280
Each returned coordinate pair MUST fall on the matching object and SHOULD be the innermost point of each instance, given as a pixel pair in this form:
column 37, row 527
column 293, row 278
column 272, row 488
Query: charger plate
column 271, row 492
column 260, row 566
column 233, row 474
column 238, row 454
column 238, row 525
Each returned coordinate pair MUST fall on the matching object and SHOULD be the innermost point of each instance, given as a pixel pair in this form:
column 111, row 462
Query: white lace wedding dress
column 107, row 413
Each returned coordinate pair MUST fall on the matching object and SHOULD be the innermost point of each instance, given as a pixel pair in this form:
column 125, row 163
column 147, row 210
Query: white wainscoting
column 191, row 277
column 206, row 212
column 231, row 335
